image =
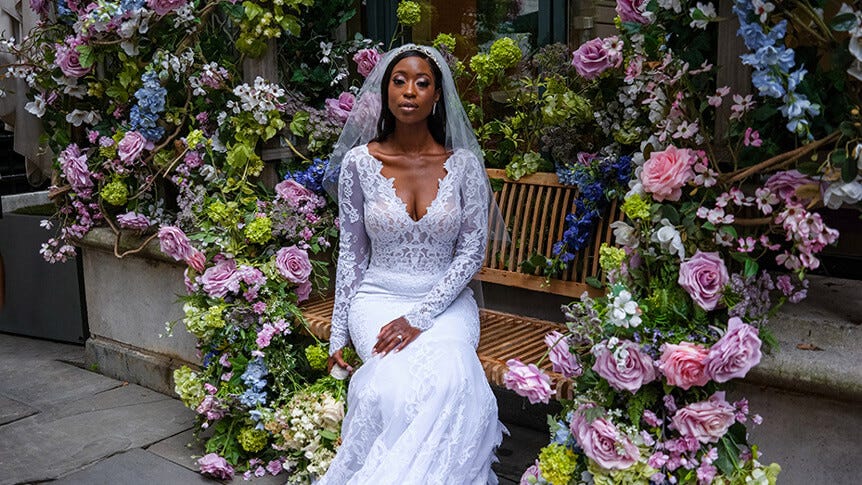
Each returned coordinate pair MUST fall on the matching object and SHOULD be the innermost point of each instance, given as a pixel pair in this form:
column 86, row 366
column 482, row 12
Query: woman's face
column 412, row 92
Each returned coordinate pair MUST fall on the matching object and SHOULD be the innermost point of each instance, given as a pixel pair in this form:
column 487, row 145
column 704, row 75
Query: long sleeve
column 469, row 249
column 353, row 250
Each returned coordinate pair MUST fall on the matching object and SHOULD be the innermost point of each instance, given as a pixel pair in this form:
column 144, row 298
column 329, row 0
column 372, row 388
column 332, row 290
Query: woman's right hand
column 337, row 358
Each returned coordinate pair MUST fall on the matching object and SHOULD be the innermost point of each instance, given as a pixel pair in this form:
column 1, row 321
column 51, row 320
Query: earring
column 434, row 109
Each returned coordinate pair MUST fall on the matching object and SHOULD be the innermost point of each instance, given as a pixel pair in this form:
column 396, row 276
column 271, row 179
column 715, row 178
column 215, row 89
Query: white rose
column 625, row 234
column 669, row 239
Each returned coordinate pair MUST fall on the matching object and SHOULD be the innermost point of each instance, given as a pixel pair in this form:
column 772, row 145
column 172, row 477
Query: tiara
column 420, row 48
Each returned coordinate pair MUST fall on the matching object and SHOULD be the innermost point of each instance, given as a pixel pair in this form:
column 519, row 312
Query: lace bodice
column 435, row 256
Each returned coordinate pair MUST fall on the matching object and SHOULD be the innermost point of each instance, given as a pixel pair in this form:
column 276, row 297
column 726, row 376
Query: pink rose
column 134, row 221
column 215, row 466
column 626, row 367
column 131, row 146
column 303, row 291
column 665, row 172
column 527, row 381
column 197, row 260
column 593, row 58
column 174, row 242
column 706, row 421
column 163, row 7
column 339, row 109
column 221, row 279
column 784, row 184
column 704, row 277
column 365, row 60
column 69, row 59
column 293, row 264
column 632, row 11
column 683, row 365
column 530, row 475
column 735, row 353
column 603, row 443
column 293, row 192
column 561, row 357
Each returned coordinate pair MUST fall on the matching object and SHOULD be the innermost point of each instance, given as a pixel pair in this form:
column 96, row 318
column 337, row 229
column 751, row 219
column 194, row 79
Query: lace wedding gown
column 425, row 415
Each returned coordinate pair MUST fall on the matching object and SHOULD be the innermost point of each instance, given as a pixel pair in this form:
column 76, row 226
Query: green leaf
column 848, row 169
column 87, row 57
column 751, row 268
column 843, row 22
column 728, row 456
column 327, row 435
column 291, row 25
column 670, row 213
column 594, row 282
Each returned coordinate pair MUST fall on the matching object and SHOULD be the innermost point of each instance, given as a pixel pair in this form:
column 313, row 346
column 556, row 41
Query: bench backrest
column 535, row 209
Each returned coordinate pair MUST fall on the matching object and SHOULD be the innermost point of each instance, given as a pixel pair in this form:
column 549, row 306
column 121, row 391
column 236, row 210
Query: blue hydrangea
column 251, row 398
column 131, row 5
column 312, row 177
column 151, row 96
column 63, row 9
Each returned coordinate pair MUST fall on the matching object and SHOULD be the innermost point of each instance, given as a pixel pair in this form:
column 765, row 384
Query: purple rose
column 593, row 58
column 365, row 60
column 706, row 421
column 221, row 279
column 73, row 163
column 216, row 466
column 603, row 443
column 632, row 11
column 625, row 367
column 527, row 381
column 293, row 264
column 704, row 277
column 133, row 220
column 303, row 291
column 784, row 184
column 735, row 353
column 174, row 242
column 562, row 359
column 339, row 109
column 531, row 475
column 131, row 146
column 69, row 59
column 162, row 7
column 293, row 192
column 40, row 7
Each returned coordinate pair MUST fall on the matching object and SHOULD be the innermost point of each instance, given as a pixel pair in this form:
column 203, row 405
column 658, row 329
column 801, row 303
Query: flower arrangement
column 720, row 230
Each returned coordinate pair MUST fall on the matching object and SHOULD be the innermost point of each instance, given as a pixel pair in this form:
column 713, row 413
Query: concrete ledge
column 104, row 239
column 830, row 321
column 131, row 364
column 11, row 203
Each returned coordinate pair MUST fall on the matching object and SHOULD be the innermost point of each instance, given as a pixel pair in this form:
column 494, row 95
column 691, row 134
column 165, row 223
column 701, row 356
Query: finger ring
column 399, row 337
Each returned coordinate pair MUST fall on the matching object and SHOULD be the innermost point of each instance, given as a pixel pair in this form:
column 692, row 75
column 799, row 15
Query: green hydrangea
column 636, row 474
column 557, row 464
column 444, row 42
column 636, row 207
column 259, row 231
column 194, row 138
column 409, row 13
column 505, row 53
column 611, row 257
column 108, row 152
column 521, row 166
column 252, row 440
column 317, row 357
column 224, row 214
column 484, row 68
column 202, row 323
column 188, row 387
column 115, row 193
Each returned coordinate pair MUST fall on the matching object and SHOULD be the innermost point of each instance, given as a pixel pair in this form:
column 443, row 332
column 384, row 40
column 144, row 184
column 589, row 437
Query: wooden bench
column 534, row 209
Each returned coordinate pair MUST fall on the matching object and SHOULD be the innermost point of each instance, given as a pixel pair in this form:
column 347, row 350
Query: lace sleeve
column 469, row 250
column 353, row 250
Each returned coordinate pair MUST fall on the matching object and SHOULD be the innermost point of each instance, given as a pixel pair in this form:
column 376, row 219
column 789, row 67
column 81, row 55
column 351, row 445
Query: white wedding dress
column 425, row 415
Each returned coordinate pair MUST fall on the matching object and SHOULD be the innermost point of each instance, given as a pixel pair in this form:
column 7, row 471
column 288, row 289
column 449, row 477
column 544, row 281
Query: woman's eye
column 398, row 82
column 423, row 84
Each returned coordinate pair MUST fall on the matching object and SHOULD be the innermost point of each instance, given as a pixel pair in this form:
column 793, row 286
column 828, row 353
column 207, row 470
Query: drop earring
column 434, row 109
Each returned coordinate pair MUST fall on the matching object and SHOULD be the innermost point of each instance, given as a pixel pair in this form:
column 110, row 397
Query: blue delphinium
column 772, row 62
column 253, row 377
column 312, row 177
column 151, row 102
column 132, row 5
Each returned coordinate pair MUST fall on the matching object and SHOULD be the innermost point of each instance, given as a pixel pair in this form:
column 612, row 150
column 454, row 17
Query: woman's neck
column 411, row 138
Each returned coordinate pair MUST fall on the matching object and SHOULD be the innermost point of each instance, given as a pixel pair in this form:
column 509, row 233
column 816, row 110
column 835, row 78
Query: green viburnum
column 194, row 138
column 115, row 193
column 316, row 356
column 636, row 207
column 252, row 440
column 484, row 68
column 505, row 53
column 557, row 464
column 523, row 165
column 639, row 472
column 188, row 387
column 611, row 257
column 444, row 42
column 200, row 322
column 409, row 13
column 225, row 214
column 259, row 231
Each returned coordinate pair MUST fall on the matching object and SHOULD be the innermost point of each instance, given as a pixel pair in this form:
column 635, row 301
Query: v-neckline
column 394, row 191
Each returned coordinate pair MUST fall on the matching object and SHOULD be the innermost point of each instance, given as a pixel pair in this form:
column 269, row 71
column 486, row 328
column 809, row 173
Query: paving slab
column 518, row 451
column 23, row 349
column 12, row 410
column 134, row 467
column 179, row 449
column 49, row 445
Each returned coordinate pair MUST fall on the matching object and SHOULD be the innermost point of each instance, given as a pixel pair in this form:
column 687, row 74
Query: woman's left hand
column 395, row 335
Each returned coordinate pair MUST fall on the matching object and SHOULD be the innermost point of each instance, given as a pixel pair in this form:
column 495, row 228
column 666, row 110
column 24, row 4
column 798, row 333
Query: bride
column 414, row 203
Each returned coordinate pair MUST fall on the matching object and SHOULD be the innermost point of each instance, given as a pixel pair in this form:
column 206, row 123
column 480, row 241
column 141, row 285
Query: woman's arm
column 353, row 250
column 469, row 250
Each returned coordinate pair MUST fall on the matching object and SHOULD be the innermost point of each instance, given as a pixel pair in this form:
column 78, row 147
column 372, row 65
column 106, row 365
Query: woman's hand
column 337, row 358
column 395, row 335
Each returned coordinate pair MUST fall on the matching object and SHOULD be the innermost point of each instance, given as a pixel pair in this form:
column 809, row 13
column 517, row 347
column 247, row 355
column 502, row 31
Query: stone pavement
column 62, row 423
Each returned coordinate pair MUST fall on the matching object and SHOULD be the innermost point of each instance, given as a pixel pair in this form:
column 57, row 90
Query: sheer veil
column 361, row 128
